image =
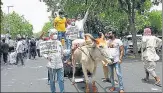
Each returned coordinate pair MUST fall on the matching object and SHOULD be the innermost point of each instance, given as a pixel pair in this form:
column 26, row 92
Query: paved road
column 33, row 78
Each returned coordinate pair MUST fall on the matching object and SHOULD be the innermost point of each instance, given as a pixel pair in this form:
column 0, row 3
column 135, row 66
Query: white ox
column 88, row 56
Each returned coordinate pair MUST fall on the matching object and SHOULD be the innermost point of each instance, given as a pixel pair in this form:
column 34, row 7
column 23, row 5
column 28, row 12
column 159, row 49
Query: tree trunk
column 132, row 29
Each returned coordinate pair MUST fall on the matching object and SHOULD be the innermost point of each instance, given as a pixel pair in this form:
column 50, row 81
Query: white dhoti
column 150, row 67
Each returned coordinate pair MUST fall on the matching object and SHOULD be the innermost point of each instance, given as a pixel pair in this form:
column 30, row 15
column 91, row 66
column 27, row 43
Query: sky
column 35, row 11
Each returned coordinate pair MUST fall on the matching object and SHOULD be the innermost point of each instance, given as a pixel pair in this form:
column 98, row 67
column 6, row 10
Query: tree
column 131, row 7
column 15, row 24
column 122, row 15
column 46, row 27
column 155, row 19
column 38, row 34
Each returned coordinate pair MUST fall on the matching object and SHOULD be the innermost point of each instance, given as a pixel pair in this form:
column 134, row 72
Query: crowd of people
column 17, row 50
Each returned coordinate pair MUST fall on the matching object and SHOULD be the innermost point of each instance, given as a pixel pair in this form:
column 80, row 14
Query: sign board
column 49, row 46
column 72, row 33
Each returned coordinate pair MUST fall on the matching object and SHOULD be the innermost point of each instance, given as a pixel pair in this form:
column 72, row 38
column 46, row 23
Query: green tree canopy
column 15, row 24
column 155, row 19
column 46, row 27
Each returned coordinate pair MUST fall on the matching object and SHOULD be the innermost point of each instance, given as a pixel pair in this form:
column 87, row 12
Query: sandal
column 112, row 89
column 106, row 80
column 116, row 82
column 157, row 83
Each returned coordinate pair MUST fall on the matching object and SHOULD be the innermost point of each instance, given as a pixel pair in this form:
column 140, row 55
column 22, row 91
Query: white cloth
column 11, row 43
column 38, row 44
column 19, row 47
column 149, row 43
column 115, row 50
column 80, row 24
column 12, row 57
column 66, row 52
column 56, row 57
column 72, row 32
column 125, row 43
column 24, row 44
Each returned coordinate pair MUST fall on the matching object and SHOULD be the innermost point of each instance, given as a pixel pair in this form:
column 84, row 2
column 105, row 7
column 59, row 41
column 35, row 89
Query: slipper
column 116, row 82
column 112, row 89
column 158, row 83
column 106, row 80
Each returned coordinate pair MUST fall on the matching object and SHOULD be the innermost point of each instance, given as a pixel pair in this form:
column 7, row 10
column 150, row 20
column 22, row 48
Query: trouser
column 125, row 52
column 61, row 35
column 68, row 47
column 0, row 57
column 5, row 57
column 48, row 76
column 38, row 52
column 81, row 34
column 68, row 43
column 150, row 67
column 25, row 53
column 19, row 57
column 106, row 71
column 32, row 52
column 119, row 74
column 60, row 79
column 11, row 49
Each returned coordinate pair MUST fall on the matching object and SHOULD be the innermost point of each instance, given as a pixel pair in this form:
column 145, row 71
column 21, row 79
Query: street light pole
column 8, row 13
column 9, row 8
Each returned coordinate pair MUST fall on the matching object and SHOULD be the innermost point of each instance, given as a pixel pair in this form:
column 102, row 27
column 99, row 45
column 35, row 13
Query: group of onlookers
column 17, row 50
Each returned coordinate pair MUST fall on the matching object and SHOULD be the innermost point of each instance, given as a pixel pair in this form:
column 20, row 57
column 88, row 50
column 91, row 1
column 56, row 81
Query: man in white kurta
column 80, row 24
column 149, row 55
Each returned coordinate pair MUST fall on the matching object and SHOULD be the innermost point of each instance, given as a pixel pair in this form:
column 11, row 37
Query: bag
column 12, row 57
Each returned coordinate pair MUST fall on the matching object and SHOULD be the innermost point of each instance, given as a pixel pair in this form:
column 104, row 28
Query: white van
column 130, row 42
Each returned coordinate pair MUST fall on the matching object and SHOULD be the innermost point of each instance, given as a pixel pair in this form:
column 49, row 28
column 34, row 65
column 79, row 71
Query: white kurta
column 149, row 43
column 149, row 55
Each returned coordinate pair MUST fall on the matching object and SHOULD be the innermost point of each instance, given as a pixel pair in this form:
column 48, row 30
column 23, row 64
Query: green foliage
column 113, row 13
column 15, row 24
column 46, row 27
column 38, row 34
column 155, row 18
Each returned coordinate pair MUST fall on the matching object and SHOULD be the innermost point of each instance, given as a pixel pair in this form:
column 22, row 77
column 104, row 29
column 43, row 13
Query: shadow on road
column 152, row 82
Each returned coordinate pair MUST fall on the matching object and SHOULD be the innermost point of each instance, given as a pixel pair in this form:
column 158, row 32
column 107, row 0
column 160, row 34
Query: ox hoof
column 87, row 90
column 73, row 83
column 94, row 88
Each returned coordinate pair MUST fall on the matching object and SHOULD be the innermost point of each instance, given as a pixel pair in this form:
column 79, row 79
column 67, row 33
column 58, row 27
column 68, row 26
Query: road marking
column 154, row 89
column 36, row 67
column 9, row 68
column 43, row 79
column 7, row 85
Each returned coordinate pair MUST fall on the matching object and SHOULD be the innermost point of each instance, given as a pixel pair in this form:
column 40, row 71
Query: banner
column 47, row 47
column 72, row 33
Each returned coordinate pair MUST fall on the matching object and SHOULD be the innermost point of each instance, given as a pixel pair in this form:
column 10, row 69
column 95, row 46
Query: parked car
column 130, row 42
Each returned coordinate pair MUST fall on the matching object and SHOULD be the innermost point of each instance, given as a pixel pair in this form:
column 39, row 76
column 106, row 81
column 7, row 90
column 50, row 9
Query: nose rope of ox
column 86, row 53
